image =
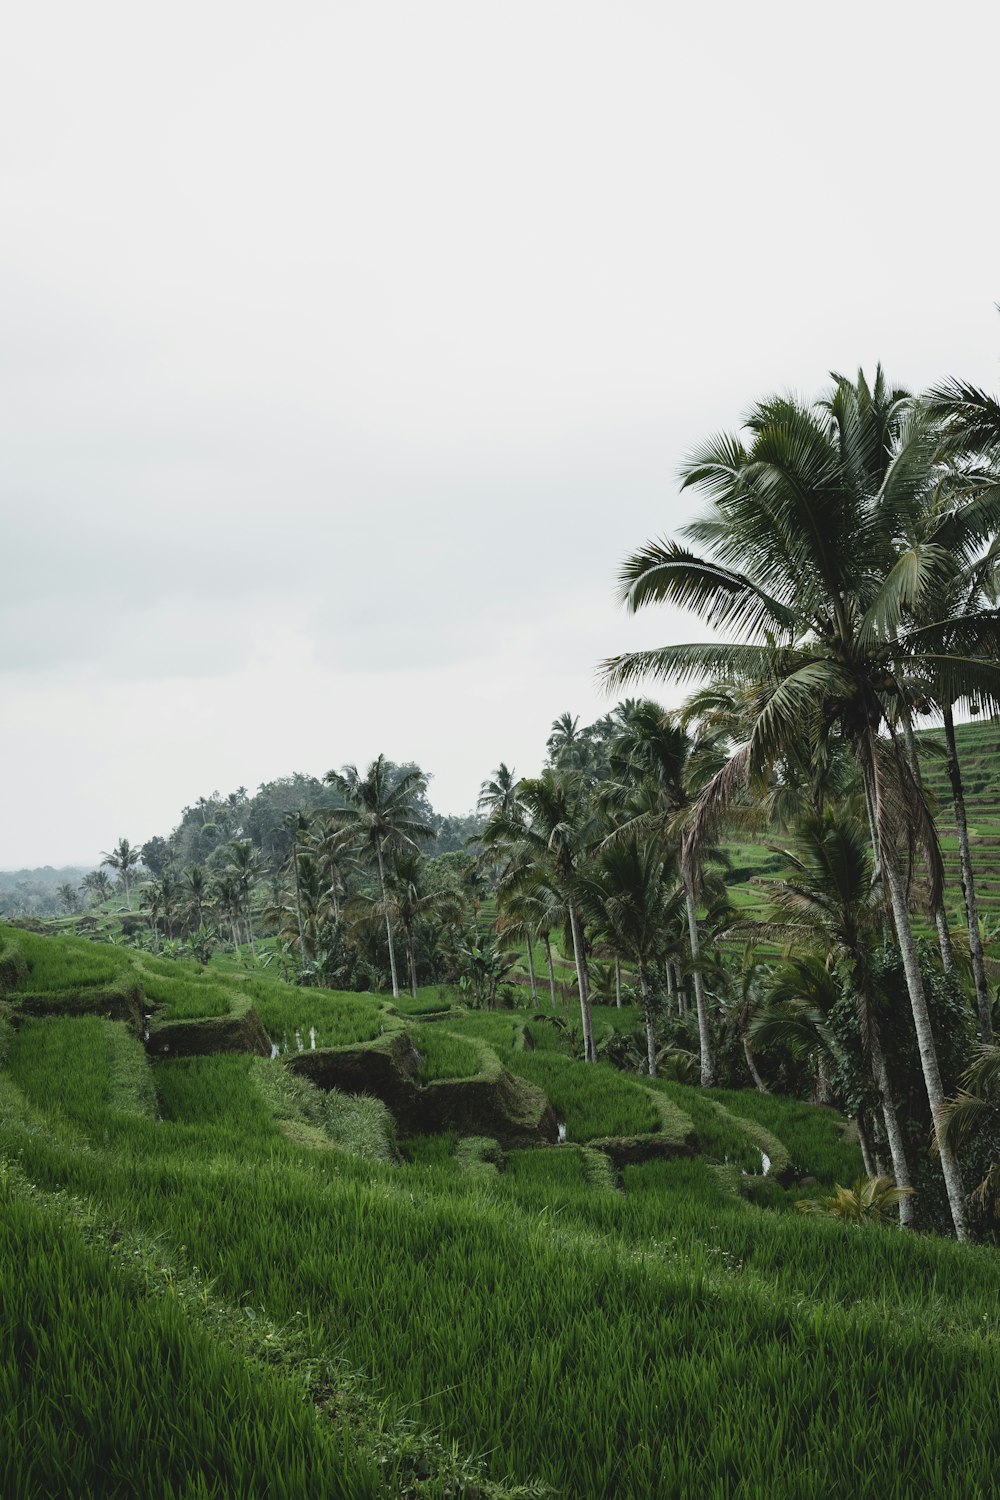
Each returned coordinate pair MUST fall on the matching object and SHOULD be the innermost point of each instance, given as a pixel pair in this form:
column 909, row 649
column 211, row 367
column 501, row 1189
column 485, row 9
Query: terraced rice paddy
column 203, row 1294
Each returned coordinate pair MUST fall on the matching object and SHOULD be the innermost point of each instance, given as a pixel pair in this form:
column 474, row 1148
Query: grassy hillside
column 216, row 1279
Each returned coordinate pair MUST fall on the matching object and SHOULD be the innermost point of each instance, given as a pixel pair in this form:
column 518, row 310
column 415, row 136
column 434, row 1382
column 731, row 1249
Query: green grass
column 815, row 1138
column 671, row 1339
column 593, row 1100
column 338, row 1018
column 107, row 1390
column 720, row 1136
column 430, row 1000
column 81, row 1069
column 444, row 1055
column 69, row 963
column 188, row 996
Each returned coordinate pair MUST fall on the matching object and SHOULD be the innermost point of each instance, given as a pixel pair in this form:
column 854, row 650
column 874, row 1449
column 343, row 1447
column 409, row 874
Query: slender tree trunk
column 824, row 1093
column 552, row 972
column 618, row 982
column 896, row 889
column 937, row 907
column 704, row 1037
column 581, row 976
column 670, row 982
column 865, row 1144
column 878, row 1140
column 298, row 901
column 968, row 883
column 388, row 924
column 531, row 974
column 412, row 962
column 648, row 1015
column 759, row 1083
column 893, row 1134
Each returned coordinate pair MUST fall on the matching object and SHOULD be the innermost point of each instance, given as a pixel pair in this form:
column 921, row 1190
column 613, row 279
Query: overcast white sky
column 346, row 348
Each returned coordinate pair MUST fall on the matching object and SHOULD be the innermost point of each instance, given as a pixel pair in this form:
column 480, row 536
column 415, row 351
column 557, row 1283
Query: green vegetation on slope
column 599, row 1333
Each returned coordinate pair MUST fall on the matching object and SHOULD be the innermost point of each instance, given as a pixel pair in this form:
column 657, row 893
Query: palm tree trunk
column 552, row 972
column 648, row 1015
column 704, row 1037
column 388, row 924
column 865, row 1144
column 759, row 1083
column 893, row 880
column 412, row 962
column 531, row 974
column 824, row 1091
column 581, row 978
column 937, row 907
column 968, row 882
column 894, row 1136
column 618, row 982
column 298, row 901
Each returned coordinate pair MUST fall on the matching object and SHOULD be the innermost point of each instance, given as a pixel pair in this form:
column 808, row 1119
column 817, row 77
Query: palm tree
column 123, row 858
column 529, row 907
column 298, row 824
column 380, row 814
column 659, row 768
column 564, row 739
column 826, row 904
column 98, row 886
column 68, row 896
column 549, row 836
column 629, row 894
column 408, row 903
column 245, row 869
column 499, row 794
column 195, row 887
column 804, row 562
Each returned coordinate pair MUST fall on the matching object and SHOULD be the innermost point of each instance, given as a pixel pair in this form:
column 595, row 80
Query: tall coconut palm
column 97, row 885
column 529, row 907
column 412, row 904
column 297, row 824
column 381, row 815
column 68, row 896
column 124, row 857
column 657, row 769
column 499, row 793
column 825, row 903
column 195, row 886
column 245, row 868
column 629, row 893
column 552, row 831
column 564, row 739
column 968, row 600
column 802, row 561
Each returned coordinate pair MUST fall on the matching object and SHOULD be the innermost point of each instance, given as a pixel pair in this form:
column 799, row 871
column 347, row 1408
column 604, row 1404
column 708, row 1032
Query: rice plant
column 669, row 1339
column 443, row 1054
column 67, row 963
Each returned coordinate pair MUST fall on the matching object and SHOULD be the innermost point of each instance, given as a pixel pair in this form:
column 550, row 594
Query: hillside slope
column 217, row 1279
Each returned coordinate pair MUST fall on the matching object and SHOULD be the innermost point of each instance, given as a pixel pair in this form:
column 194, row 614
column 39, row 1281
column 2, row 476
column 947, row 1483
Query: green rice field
column 217, row 1281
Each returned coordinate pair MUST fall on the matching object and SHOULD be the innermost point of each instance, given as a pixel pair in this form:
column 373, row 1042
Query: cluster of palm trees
column 847, row 568
column 354, row 896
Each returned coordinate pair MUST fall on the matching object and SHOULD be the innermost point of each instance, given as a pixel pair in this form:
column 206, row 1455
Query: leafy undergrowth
column 451, row 1318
